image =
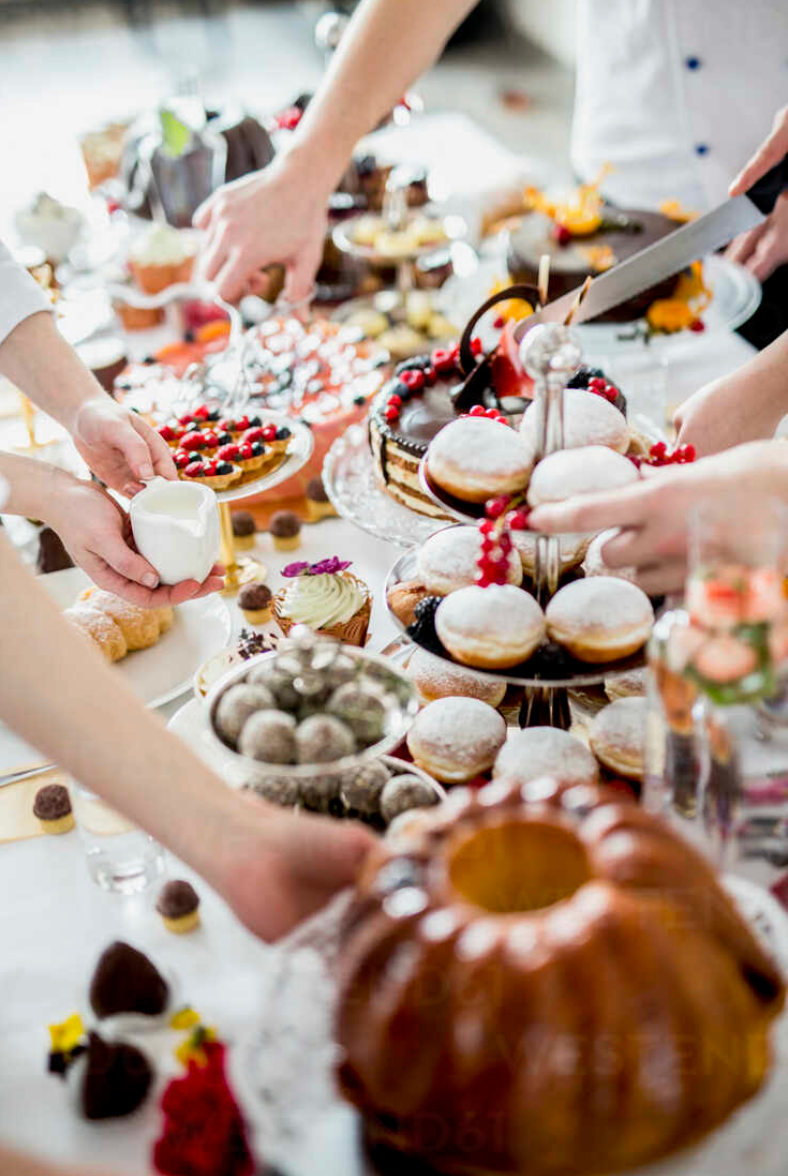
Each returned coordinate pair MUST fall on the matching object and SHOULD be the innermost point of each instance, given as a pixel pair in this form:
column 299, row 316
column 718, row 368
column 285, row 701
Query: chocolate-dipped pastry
column 177, row 904
column 52, row 802
column 125, row 981
column 52, row 555
column 315, row 490
column 243, row 523
column 115, row 1079
column 285, row 528
column 318, row 504
column 254, row 600
column 105, row 357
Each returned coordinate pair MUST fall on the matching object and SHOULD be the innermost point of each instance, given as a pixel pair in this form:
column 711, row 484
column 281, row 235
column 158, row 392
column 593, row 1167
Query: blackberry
column 423, row 628
column 551, row 661
column 426, row 608
column 583, row 375
column 417, row 363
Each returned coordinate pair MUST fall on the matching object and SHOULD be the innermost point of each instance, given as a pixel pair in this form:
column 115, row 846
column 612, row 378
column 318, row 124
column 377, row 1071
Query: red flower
column 204, row 1134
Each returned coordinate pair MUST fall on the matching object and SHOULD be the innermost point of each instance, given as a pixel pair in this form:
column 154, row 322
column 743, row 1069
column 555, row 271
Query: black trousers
column 771, row 317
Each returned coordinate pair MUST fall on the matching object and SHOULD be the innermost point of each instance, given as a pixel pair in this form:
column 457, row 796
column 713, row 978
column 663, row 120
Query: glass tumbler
column 120, row 857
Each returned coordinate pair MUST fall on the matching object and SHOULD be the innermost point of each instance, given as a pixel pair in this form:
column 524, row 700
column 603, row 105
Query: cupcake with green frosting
column 327, row 598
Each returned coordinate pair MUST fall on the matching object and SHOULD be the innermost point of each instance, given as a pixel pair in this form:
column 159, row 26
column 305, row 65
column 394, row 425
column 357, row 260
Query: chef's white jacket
column 676, row 94
column 20, row 295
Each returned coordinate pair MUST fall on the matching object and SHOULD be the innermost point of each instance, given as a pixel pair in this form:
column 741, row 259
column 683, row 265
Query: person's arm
column 279, row 214
column 95, row 531
column 15, row 1163
column 653, row 514
column 747, row 405
column 118, row 446
column 272, row 867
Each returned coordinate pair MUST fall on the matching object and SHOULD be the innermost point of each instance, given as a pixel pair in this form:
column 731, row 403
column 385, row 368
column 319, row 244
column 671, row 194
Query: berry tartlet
column 213, row 473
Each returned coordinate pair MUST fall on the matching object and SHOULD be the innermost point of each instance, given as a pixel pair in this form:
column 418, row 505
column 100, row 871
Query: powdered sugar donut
column 447, row 561
column 454, row 739
column 545, row 751
column 571, row 547
column 434, row 677
column 618, row 737
column 600, row 619
column 492, row 628
column 474, row 459
column 588, row 420
column 632, row 684
column 569, row 472
column 594, row 563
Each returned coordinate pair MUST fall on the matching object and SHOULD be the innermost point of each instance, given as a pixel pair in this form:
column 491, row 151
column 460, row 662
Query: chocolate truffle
column 243, row 523
column 281, row 790
column 177, row 904
column 254, row 597
column 316, row 491
column 115, row 1079
column 361, row 792
column 237, row 704
column 279, row 682
column 403, row 793
column 363, row 711
column 322, row 738
column 125, row 981
column 52, row 555
column 269, row 736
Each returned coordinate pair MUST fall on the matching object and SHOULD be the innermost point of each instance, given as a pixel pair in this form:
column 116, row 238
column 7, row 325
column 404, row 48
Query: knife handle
column 766, row 191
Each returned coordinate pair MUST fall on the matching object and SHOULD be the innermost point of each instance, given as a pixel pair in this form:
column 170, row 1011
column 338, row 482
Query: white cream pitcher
column 176, row 529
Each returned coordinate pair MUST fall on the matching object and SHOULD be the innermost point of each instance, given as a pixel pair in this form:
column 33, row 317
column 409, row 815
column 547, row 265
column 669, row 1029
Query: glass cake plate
column 349, row 478
column 283, row 1072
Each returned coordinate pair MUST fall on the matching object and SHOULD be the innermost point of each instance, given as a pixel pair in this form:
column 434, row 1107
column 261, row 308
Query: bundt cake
column 547, row 980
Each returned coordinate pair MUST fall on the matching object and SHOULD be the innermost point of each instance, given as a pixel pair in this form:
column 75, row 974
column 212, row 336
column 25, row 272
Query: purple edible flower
column 296, row 569
column 324, row 567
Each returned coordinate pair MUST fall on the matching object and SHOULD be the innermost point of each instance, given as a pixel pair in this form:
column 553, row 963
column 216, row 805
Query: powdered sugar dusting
column 579, row 471
column 599, row 602
column 461, row 730
column 500, row 613
column 445, row 679
column 474, row 445
column 545, row 751
column 447, row 560
column 588, row 420
column 621, row 726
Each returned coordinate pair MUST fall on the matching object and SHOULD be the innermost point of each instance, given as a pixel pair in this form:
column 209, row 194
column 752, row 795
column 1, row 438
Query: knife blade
column 669, row 255
column 25, row 774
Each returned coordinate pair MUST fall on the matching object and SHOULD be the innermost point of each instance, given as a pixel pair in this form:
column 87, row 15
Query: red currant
column 391, row 413
column 499, row 323
column 597, row 382
column 690, row 452
column 505, row 542
column 636, row 461
column 442, row 360
column 478, row 410
column 413, row 379
column 486, row 526
column 482, row 581
column 698, row 326
column 611, row 392
column 429, row 376
column 518, row 519
column 476, row 346
column 486, row 544
column 486, row 565
column 495, row 507
column 658, row 449
column 394, row 402
column 561, row 234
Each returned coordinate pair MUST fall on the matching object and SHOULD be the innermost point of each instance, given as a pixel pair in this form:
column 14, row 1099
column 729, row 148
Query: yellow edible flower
column 599, row 257
column 184, row 1018
column 692, row 287
column 192, row 1048
column 670, row 314
column 67, row 1035
column 676, row 211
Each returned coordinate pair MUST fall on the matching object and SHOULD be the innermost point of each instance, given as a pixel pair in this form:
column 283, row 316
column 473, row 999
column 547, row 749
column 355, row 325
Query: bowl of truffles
column 311, row 724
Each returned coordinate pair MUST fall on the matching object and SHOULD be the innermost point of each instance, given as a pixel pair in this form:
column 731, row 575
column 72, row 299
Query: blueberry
column 149, row 359
column 188, row 336
column 224, row 467
column 283, row 433
column 418, row 363
column 359, row 401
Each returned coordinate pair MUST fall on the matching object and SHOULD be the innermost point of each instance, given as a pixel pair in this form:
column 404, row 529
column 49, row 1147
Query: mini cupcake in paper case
column 161, row 257
column 327, row 598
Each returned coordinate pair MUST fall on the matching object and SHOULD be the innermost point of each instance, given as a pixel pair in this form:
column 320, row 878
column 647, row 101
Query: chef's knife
column 668, row 256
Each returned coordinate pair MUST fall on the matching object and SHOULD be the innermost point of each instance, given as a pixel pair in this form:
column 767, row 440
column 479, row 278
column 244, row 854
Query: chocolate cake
column 623, row 232
column 125, row 981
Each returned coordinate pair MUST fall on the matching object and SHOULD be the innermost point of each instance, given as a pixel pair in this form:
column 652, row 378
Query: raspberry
column 413, row 379
column 698, row 326
column 430, row 376
column 658, row 449
column 194, row 470
column 269, row 432
column 499, row 323
column 476, row 346
column 495, row 507
column 210, row 438
column 690, row 452
column 202, row 413
column 478, row 410
column 193, row 441
column 391, row 413
column 394, row 402
column 561, row 235
column 518, row 519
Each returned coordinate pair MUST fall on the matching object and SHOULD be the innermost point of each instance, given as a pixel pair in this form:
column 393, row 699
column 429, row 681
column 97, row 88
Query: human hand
column 274, row 216
column 723, row 414
column 281, row 868
column 119, row 446
column 765, row 248
column 97, row 535
column 653, row 514
column 770, row 152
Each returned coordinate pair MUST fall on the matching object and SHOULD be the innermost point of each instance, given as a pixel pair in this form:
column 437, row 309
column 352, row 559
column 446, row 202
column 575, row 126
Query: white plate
column 163, row 672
